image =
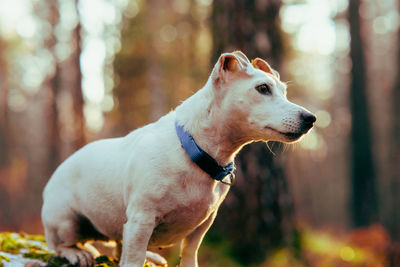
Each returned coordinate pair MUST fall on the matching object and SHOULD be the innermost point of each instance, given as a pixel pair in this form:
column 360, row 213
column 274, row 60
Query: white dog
column 163, row 183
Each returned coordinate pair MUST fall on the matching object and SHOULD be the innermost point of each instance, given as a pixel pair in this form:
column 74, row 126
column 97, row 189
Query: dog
column 163, row 183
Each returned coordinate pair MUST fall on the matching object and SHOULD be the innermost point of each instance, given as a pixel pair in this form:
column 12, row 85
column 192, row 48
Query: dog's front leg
column 191, row 243
column 136, row 236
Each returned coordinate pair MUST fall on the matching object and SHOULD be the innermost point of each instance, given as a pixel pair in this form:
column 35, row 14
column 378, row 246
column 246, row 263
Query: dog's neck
column 215, row 133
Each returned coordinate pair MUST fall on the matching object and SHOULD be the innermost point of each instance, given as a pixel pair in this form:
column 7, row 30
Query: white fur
column 144, row 189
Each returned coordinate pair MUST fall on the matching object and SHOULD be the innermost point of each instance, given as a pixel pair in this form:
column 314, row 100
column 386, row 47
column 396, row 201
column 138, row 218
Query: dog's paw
column 77, row 256
column 155, row 258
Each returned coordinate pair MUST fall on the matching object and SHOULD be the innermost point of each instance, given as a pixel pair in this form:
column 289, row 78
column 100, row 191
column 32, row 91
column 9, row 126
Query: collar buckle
column 229, row 179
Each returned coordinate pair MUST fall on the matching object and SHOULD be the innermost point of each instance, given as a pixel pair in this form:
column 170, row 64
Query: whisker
column 269, row 148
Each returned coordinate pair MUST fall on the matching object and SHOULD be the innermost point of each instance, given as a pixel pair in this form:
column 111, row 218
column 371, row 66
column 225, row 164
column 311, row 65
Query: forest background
column 74, row 71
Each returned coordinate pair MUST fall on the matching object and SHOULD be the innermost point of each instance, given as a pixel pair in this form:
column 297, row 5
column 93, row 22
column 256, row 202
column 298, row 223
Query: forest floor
column 25, row 250
column 364, row 247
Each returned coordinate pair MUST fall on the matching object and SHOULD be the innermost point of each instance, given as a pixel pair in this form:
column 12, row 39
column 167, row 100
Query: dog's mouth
column 290, row 136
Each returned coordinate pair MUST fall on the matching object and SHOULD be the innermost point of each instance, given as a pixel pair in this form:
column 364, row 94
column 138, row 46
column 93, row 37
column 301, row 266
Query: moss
column 34, row 247
column 30, row 246
column 57, row 261
column 14, row 243
column 104, row 261
column 39, row 238
column 38, row 255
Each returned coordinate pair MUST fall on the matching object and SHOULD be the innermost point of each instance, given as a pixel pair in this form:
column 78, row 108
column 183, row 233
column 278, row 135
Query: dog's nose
column 307, row 118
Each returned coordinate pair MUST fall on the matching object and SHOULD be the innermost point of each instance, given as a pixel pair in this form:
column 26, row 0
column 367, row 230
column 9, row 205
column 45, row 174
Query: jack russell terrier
column 163, row 183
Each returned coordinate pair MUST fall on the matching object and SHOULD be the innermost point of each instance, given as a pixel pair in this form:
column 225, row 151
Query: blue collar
column 207, row 163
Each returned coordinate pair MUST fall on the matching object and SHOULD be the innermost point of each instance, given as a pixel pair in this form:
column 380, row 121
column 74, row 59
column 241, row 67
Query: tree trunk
column 70, row 98
column 364, row 197
column 53, row 84
column 3, row 87
column 5, row 210
column 154, row 70
column 393, row 221
column 3, row 109
column 258, row 213
column 77, row 96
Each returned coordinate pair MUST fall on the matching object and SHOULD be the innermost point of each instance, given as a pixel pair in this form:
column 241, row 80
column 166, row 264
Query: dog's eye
column 264, row 89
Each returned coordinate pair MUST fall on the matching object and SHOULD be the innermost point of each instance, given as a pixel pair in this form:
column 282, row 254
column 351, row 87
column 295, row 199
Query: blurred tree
column 66, row 102
column 258, row 213
column 66, row 118
column 40, row 143
column 159, row 64
column 154, row 70
column 3, row 84
column 5, row 210
column 52, row 83
column 364, row 207
column 75, row 83
column 34, row 126
column 71, row 117
column 134, row 66
column 36, row 136
column 3, row 107
column 394, row 219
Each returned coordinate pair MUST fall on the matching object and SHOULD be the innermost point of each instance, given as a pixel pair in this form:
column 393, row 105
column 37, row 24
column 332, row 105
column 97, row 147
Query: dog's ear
column 228, row 62
column 261, row 64
column 228, row 65
column 242, row 56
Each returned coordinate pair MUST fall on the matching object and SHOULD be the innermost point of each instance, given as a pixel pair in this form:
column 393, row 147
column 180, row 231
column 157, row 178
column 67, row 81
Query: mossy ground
column 34, row 247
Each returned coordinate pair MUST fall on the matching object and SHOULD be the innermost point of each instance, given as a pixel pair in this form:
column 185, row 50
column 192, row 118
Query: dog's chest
column 183, row 218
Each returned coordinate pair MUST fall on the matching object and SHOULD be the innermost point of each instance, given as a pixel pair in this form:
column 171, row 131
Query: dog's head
column 252, row 92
